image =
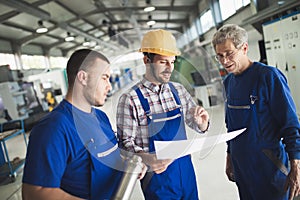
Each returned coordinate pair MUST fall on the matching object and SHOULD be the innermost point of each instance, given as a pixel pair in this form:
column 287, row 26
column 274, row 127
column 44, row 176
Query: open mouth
column 166, row 74
column 228, row 66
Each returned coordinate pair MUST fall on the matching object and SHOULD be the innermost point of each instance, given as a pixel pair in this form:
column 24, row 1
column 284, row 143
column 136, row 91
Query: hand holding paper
column 177, row 149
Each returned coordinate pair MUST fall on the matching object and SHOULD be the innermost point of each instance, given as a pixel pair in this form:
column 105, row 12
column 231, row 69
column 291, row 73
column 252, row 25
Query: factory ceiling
column 94, row 21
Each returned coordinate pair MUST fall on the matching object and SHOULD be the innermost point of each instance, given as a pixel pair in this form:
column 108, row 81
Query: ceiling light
column 69, row 37
column 86, row 43
column 151, row 23
column 97, row 47
column 41, row 28
column 149, row 9
column 280, row 2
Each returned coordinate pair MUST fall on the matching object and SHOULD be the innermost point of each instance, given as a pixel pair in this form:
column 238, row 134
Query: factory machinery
column 23, row 103
column 282, row 44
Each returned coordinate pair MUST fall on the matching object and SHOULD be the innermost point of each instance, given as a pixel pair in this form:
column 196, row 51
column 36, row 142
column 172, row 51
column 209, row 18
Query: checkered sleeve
column 128, row 130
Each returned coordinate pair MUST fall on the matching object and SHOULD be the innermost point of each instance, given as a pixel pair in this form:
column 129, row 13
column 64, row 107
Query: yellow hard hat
column 160, row 42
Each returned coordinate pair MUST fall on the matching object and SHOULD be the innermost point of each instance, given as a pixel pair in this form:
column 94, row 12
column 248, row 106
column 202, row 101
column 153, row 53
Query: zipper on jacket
column 239, row 107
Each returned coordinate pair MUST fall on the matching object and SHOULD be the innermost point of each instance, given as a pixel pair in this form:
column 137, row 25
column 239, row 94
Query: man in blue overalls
column 258, row 98
column 156, row 109
column 73, row 151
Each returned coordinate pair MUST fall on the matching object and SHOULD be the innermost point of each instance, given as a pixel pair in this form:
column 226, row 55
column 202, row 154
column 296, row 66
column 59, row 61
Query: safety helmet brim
column 160, row 42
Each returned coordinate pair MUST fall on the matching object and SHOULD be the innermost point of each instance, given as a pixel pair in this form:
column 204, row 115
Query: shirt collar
column 153, row 87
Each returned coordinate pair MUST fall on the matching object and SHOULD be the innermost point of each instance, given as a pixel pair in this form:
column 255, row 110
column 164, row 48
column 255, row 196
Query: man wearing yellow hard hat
column 156, row 109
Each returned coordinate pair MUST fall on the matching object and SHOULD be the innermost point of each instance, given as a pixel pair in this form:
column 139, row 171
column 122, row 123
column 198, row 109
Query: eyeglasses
column 228, row 55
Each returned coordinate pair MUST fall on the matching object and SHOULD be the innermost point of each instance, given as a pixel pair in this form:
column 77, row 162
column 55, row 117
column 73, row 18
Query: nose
column 170, row 64
column 224, row 59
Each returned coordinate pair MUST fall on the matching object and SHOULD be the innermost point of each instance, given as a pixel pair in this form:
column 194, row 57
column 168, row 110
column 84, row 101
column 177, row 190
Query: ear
column 245, row 48
column 146, row 60
column 82, row 77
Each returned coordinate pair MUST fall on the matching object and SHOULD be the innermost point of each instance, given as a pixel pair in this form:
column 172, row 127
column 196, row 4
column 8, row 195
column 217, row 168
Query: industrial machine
column 282, row 44
column 13, row 100
column 50, row 87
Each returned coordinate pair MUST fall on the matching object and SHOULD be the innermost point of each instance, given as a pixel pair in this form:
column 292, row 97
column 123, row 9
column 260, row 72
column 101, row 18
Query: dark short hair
column 151, row 55
column 81, row 60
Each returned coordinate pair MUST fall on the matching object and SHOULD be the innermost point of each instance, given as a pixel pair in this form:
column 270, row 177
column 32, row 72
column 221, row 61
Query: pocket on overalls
column 278, row 179
column 238, row 116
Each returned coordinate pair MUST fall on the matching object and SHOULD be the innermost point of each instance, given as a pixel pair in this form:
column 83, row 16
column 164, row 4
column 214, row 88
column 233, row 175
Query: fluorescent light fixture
column 149, row 9
column 41, row 28
column 69, row 37
column 86, row 43
column 151, row 23
column 97, row 47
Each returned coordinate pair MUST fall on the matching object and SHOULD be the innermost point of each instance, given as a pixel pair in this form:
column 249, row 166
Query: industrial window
column 8, row 59
column 58, row 62
column 30, row 61
column 182, row 40
column 229, row 7
column 193, row 32
column 206, row 21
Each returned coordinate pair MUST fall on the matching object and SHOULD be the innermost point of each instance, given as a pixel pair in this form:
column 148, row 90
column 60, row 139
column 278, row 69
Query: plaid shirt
column 132, row 120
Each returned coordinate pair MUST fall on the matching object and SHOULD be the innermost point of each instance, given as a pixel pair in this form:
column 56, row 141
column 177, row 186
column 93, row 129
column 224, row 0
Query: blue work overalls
column 178, row 181
column 260, row 163
column 106, row 163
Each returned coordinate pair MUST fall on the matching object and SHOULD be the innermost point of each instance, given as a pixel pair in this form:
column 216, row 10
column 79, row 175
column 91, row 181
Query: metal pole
column 133, row 168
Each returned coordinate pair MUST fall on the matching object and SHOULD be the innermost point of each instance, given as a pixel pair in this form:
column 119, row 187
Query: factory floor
column 209, row 163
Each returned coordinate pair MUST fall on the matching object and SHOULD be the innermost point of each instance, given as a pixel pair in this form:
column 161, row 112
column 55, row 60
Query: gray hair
column 233, row 32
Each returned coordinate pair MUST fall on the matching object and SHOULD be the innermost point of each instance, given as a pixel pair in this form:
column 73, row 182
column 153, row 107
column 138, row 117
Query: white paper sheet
column 177, row 149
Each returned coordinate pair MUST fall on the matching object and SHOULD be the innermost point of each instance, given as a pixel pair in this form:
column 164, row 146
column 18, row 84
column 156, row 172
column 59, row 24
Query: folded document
column 179, row 148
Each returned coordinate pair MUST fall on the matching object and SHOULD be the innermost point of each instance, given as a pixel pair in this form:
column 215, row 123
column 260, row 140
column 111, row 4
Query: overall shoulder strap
column 144, row 101
column 175, row 93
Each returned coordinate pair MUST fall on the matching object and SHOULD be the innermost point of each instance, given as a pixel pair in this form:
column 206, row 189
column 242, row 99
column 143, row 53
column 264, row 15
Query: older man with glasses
column 257, row 97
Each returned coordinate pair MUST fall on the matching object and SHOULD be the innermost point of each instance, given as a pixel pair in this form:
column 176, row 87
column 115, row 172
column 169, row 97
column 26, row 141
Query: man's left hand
column 293, row 180
column 201, row 117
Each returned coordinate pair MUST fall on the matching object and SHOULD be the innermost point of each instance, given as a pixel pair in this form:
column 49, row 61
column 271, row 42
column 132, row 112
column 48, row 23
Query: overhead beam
column 134, row 23
column 23, row 6
column 100, row 5
column 60, row 41
column 34, row 35
column 177, row 21
column 8, row 15
column 271, row 11
column 66, row 50
column 178, row 29
column 14, row 13
column 17, row 26
column 88, row 36
column 85, row 34
column 140, row 8
column 77, row 17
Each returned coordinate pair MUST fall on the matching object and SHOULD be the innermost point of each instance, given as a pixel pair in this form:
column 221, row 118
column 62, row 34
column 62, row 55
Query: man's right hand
column 158, row 166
